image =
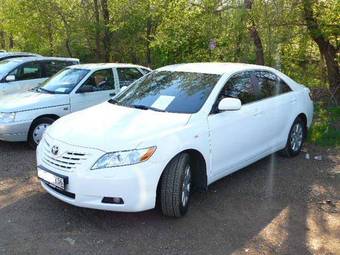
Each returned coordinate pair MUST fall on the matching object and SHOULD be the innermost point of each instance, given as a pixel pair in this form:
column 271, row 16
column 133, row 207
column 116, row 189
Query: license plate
column 52, row 179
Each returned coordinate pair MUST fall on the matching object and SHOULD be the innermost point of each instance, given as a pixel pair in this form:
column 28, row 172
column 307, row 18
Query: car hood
column 110, row 127
column 30, row 100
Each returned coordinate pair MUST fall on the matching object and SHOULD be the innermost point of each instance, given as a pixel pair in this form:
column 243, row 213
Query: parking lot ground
column 275, row 206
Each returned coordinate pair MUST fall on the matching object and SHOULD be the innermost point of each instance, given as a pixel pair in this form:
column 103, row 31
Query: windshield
column 64, row 81
column 6, row 66
column 178, row 92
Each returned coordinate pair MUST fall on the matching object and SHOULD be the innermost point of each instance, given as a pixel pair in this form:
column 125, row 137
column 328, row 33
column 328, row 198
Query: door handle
column 112, row 94
column 293, row 100
column 257, row 112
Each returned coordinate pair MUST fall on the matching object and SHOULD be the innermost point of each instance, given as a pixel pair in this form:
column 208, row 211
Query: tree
column 254, row 34
column 327, row 50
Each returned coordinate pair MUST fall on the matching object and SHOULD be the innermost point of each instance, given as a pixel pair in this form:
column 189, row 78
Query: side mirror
column 229, row 104
column 85, row 89
column 123, row 88
column 10, row 77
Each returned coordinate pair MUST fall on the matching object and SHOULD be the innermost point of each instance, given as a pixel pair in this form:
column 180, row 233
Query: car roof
column 94, row 66
column 28, row 59
column 213, row 68
column 16, row 53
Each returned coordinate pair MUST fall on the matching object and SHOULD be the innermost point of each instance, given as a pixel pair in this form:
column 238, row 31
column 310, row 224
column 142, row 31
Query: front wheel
column 37, row 130
column 296, row 139
column 175, row 187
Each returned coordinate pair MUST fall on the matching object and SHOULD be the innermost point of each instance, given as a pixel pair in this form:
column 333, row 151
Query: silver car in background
column 22, row 74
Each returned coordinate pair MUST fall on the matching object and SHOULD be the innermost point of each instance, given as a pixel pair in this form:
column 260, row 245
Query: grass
column 325, row 130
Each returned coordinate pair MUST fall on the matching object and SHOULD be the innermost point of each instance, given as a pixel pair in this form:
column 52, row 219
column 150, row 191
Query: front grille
column 65, row 161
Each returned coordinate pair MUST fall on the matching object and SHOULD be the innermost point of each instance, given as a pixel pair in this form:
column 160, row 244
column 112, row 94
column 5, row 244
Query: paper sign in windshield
column 62, row 90
column 163, row 102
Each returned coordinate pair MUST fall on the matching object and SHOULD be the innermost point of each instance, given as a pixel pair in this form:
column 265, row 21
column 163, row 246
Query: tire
column 33, row 136
column 296, row 138
column 175, row 187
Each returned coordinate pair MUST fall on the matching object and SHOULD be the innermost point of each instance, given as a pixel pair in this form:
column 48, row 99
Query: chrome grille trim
column 67, row 161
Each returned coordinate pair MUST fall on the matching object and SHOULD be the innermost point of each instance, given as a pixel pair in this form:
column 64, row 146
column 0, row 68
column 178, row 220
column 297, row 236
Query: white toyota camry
column 179, row 128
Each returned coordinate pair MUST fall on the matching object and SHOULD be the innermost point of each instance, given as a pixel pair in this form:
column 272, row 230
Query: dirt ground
column 275, row 206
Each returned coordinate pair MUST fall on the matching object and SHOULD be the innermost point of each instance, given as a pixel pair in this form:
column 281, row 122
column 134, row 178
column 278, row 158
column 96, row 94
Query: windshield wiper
column 44, row 90
column 144, row 107
column 113, row 101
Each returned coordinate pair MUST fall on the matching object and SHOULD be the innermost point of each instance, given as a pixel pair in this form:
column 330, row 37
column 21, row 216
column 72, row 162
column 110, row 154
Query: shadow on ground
column 277, row 205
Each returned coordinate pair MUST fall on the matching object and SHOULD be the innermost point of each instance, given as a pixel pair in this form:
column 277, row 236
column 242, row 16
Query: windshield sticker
column 62, row 90
column 163, row 102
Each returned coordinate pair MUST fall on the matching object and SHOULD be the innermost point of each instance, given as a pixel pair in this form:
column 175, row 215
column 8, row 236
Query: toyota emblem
column 55, row 150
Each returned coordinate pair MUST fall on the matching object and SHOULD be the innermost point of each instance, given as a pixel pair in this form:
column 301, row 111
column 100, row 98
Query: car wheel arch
column 200, row 177
column 303, row 116
column 51, row 116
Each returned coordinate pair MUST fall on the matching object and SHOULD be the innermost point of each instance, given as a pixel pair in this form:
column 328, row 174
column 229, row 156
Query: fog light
column 113, row 200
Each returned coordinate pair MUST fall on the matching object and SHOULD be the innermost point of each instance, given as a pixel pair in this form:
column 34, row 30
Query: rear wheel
column 296, row 139
column 37, row 130
column 175, row 187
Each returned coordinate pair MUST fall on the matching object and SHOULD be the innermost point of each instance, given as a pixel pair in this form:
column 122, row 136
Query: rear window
column 54, row 66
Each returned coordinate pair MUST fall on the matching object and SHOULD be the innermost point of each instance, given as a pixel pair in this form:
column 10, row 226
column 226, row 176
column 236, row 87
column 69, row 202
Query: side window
column 28, row 71
column 99, row 81
column 284, row 88
column 270, row 85
column 128, row 75
column 242, row 86
column 54, row 66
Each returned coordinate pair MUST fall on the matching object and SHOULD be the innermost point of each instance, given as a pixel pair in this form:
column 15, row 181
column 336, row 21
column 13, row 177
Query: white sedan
column 25, row 116
column 178, row 128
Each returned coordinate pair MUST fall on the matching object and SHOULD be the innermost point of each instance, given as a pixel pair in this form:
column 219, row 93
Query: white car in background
column 178, row 128
column 25, row 116
column 21, row 74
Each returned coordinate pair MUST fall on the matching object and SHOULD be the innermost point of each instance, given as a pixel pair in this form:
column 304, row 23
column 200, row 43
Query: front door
column 237, row 137
column 98, row 88
column 27, row 76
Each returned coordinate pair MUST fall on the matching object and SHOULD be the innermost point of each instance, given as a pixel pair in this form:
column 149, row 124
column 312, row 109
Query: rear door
column 276, row 103
column 27, row 76
column 98, row 88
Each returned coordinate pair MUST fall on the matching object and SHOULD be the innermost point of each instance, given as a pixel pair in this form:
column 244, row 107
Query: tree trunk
column 107, row 35
column 326, row 49
column 2, row 40
column 254, row 34
column 96, row 14
column 148, row 40
column 11, row 41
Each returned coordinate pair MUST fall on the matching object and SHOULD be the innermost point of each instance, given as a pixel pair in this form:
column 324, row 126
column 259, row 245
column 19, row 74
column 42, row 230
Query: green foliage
column 326, row 127
column 161, row 32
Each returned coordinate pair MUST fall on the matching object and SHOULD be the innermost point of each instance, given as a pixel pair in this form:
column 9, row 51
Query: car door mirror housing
column 229, row 104
column 10, row 77
column 85, row 89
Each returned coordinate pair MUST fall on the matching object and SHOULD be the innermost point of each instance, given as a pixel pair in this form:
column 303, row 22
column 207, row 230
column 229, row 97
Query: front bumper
column 15, row 131
column 136, row 185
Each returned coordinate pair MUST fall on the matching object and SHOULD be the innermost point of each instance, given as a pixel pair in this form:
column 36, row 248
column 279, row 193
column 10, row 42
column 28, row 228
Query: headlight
column 7, row 117
column 124, row 158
